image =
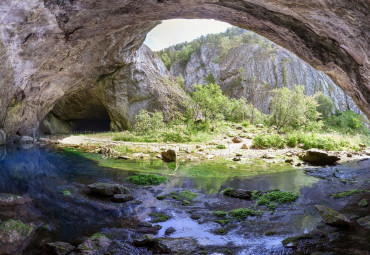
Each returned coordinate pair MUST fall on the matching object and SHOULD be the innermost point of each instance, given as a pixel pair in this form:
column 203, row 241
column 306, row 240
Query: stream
column 55, row 181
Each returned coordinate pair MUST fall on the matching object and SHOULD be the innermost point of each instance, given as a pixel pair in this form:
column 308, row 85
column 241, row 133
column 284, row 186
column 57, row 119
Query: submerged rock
column 238, row 193
column 332, row 217
column 59, row 248
column 10, row 199
column 121, row 198
column 14, row 231
column 319, row 157
column 169, row 155
column 96, row 244
column 107, row 189
column 183, row 246
column 364, row 222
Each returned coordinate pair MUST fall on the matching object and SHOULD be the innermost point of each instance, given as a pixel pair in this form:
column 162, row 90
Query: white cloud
column 174, row 31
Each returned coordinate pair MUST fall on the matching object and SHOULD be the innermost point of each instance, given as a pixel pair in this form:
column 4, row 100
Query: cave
column 98, row 124
column 53, row 49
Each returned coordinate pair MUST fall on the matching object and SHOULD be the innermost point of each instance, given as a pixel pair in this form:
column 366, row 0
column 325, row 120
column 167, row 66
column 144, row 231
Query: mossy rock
column 12, row 231
column 332, row 217
column 363, row 203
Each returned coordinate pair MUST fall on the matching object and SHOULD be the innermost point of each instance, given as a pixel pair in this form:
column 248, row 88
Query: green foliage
column 281, row 197
column 269, row 141
column 220, row 214
column 188, row 195
column 221, row 146
column 291, row 108
column 325, row 104
column 223, row 222
column 210, row 79
column 146, row 121
column 66, row 193
column 159, row 217
column 243, row 213
column 147, row 179
column 161, row 197
column 347, row 122
column 227, row 190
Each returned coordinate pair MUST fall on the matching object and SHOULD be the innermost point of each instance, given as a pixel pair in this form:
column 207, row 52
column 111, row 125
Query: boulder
column 363, row 203
column 10, row 199
column 237, row 159
column 2, row 137
column 244, row 147
column 364, row 222
column 332, row 217
column 14, row 231
column 96, row 244
column 25, row 140
column 238, row 193
column 169, row 155
column 107, row 189
column 237, row 139
column 318, row 157
column 122, row 198
column 169, row 231
column 59, row 248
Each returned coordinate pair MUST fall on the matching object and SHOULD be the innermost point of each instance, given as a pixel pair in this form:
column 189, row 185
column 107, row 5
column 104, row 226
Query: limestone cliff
column 143, row 83
column 252, row 71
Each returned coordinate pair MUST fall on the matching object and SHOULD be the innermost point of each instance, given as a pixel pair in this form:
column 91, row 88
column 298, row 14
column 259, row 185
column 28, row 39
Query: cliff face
column 252, row 71
column 51, row 49
column 143, row 83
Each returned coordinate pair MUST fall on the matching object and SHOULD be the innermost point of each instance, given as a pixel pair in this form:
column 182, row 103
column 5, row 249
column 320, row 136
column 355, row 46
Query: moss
column 281, row 197
column 195, row 216
column 363, row 203
column 243, row 213
column 227, row 251
column 15, row 225
column 223, row 222
column 186, row 202
column 228, row 189
column 220, row 214
column 159, row 217
column 294, row 239
column 221, row 146
column 147, row 179
column 345, row 193
column 256, row 194
column 220, row 231
column 97, row 236
column 66, row 193
column 176, row 197
column 161, row 197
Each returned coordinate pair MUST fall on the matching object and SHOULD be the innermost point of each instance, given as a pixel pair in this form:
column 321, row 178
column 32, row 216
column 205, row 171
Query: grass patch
column 220, row 214
column 281, row 197
column 159, row 217
column 147, row 179
column 243, row 213
column 221, row 146
column 188, row 195
column 345, row 193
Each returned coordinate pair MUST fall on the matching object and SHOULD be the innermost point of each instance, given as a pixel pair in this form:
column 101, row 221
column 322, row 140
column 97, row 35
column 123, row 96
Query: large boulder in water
column 238, row 193
column 11, row 199
column 332, row 217
column 169, row 155
column 13, row 235
column 96, row 244
column 107, row 189
column 319, row 157
column 183, row 246
column 59, row 248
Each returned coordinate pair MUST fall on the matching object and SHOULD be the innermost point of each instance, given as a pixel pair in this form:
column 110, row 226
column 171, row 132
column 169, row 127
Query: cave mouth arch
column 332, row 36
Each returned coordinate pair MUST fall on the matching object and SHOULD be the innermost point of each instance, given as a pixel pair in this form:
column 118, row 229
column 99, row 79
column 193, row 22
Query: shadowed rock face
column 50, row 49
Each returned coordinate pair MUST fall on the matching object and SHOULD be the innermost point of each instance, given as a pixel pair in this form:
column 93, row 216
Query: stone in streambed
column 238, row 193
column 319, row 157
column 11, row 199
column 96, row 244
column 59, row 248
column 107, row 189
column 14, row 231
column 332, row 217
column 122, row 198
column 169, row 155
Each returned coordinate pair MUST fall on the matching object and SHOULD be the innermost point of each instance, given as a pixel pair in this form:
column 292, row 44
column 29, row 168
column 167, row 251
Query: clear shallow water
column 43, row 173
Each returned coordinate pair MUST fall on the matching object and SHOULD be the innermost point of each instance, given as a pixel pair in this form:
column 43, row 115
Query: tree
column 326, row 105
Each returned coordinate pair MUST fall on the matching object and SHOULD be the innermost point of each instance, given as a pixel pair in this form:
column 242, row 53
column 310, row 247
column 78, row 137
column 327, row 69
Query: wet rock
column 238, row 154
column 169, row 231
column 364, row 222
column 332, row 217
column 319, row 157
column 363, row 203
column 244, row 147
column 236, row 159
column 107, row 189
column 10, row 199
column 2, row 137
column 259, row 125
column 59, row 248
column 267, row 156
column 169, row 155
column 96, row 244
column 14, row 231
column 183, row 246
column 237, row 139
column 122, row 198
column 125, row 157
column 238, row 127
column 289, row 161
column 25, row 140
column 291, row 242
column 238, row 193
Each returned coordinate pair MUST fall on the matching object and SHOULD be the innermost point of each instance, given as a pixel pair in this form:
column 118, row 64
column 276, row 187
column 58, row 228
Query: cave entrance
column 99, row 123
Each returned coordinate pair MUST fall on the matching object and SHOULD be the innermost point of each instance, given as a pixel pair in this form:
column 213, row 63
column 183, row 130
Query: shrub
column 145, row 122
column 347, row 122
column 268, row 141
column 221, row 146
column 147, row 179
column 325, row 104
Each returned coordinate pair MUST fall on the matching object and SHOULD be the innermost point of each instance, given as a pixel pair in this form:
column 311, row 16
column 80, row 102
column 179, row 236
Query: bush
column 325, row 104
column 347, row 122
column 293, row 108
column 268, row 141
column 147, row 179
column 145, row 122
column 221, row 146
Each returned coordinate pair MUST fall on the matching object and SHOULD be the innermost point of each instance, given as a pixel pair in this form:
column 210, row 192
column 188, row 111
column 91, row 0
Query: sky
column 174, row 31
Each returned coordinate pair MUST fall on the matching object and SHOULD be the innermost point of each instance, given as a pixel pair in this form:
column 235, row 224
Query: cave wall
column 51, row 49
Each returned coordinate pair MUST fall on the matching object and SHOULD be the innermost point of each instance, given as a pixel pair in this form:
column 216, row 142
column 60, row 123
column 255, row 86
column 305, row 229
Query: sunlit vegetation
column 147, row 179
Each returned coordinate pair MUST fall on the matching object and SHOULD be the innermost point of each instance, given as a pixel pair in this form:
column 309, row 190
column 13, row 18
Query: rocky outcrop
column 252, row 71
column 143, row 83
column 51, row 49
column 2, row 137
column 332, row 217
